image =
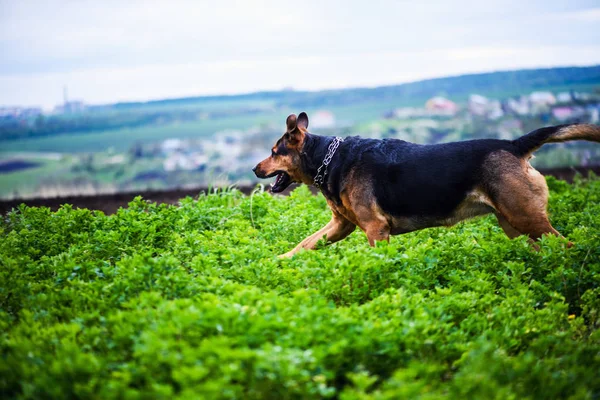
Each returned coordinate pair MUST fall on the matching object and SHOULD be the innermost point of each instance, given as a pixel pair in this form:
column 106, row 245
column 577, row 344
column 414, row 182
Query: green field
column 189, row 301
column 122, row 139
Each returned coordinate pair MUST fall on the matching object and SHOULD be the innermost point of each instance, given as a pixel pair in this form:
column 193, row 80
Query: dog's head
column 284, row 161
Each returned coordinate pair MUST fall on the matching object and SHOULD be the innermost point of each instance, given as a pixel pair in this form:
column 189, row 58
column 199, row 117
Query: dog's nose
column 254, row 169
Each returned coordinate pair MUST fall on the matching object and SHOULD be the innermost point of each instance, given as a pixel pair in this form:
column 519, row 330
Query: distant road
column 110, row 203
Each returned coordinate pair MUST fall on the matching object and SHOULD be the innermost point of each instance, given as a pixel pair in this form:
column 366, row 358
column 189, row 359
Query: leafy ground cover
column 189, row 301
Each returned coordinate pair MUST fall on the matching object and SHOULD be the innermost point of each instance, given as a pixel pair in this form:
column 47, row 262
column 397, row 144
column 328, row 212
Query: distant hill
column 502, row 83
column 359, row 104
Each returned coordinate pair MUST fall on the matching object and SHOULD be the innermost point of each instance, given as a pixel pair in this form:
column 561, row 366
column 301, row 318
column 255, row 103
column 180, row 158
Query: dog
column 389, row 186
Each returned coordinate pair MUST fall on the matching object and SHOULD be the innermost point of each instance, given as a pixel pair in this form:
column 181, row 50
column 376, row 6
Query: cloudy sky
column 108, row 51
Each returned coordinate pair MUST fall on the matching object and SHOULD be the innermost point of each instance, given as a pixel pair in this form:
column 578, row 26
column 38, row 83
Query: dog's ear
column 294, row 137
column 293, row 134
column 303, row 121
column 291, row 123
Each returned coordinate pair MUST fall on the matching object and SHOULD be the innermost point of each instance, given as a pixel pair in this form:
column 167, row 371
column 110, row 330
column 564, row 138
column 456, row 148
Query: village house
column 569, row 114
column 593, row 111
column 441, row 106
column 322, row 119
column 542, row 98
column 185, row 162
column 19, row 112
column 518, row 106
column 70, row 107
column 172, row 145
column 481, row 106
column 406, row 113
column 564, row 97
column 541, row 102
column 477, row 105
column 495, row 110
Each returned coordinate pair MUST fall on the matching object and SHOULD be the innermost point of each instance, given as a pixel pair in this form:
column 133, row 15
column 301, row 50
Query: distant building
column 115, row 160
column 441, row 106
column 482, row 107
column 542, row 99
column 495, row 110
column 20, row 112
column 579, row 96
column 478, row 105
column 71, row 107
column 322, row 119
column 407, row 112
column 518, row 106
column 570, row 114
column 6, row 112
column 564, row 97
column 562, row 113
column 183, row 162
column 594, row 113
column 172, row 145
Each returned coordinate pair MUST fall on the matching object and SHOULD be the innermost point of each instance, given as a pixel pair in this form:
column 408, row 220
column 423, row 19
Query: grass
column 23, row 182
column 189, row 301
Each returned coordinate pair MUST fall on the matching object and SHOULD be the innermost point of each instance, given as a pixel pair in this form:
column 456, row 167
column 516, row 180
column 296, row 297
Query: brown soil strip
column 110, row 203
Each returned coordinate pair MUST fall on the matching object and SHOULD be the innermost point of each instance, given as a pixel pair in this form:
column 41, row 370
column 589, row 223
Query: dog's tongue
column 277, row 180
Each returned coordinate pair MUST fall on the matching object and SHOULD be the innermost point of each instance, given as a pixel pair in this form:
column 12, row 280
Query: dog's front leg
column 337, row 229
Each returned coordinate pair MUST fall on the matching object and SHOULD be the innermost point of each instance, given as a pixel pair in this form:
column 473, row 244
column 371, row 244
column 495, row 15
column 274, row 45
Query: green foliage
column 190, row 301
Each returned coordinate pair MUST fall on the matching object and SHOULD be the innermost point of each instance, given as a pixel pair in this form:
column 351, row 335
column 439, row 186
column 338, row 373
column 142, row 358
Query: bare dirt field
column 112, row 202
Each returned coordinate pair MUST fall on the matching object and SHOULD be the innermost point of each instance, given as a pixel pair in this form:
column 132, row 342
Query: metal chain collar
column 320, row 178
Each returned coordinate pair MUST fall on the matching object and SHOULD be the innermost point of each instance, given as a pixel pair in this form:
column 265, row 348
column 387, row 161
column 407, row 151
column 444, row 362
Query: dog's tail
column 529, row 143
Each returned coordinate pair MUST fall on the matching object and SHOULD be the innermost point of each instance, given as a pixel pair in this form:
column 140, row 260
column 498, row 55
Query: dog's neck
column 313, row 153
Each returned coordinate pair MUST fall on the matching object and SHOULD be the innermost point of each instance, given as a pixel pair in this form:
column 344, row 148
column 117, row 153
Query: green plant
column 190, row 301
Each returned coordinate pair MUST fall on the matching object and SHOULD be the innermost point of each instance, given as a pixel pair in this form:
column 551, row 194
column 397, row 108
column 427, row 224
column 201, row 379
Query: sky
column 110, row 51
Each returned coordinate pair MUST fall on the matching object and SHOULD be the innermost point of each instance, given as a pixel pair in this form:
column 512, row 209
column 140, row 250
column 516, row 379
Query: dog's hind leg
column 337, row 229
column 377, row 231
column 520, row 199
column 510, row 230
column 367, row 214
column 373, row 222
column 533, row 225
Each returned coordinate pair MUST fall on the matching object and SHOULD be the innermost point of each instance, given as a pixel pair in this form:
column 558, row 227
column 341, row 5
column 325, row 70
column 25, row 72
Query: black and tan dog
column 387, row 187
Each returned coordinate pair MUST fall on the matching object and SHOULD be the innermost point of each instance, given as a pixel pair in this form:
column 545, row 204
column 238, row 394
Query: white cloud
column 588, row 15
column 136, row 50
column 105, row 85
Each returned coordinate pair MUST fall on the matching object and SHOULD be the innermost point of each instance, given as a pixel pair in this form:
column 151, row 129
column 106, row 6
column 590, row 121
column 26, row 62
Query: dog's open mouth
column 282, row 181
